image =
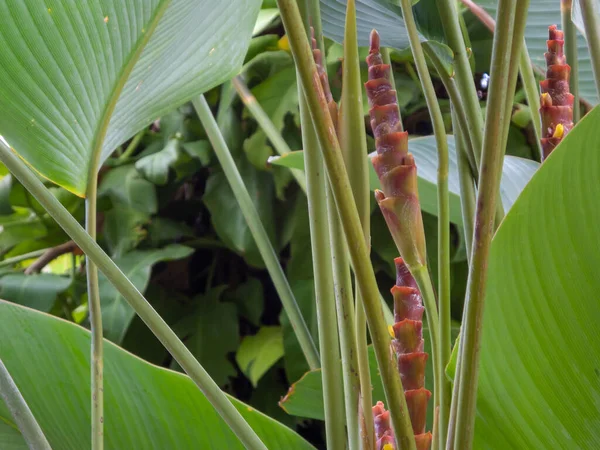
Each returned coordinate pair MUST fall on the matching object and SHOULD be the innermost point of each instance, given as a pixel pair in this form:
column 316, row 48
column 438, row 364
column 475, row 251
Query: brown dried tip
column 556, row 109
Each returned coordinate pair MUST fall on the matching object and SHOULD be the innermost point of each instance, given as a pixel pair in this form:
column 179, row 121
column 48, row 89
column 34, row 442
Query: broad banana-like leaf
column 146, row 407
column 77, row 78
column 540, row 357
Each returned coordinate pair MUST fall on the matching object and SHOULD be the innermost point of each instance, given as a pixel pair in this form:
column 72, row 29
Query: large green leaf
column 146, row 407
column 38, row 291
column 516, row 173
column 258, row 353
column 542, row 14
column 79, row 78
column 137, row 265
column 540, row 357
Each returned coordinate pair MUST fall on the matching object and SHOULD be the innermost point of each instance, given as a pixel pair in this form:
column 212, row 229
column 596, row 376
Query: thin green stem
column 507, row 32
column 324, row 293
column 448, row 14
column 137, row 301
column 467, row 186
column 267, row 126
column 590, row 13
column 532, row 94
column 359, row 253
column 24, row 257
column 353, row 143
column 132, row 147
column 95, row 316
column 346, row 321
column 570, row 33
column 443, row 345
column 258, row 231
column 24, row 419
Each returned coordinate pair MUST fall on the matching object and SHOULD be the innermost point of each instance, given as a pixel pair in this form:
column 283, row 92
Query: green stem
column 137, row 301
column 532, row 94
column 448, row 14
column 346, row 321
column 132, row 147
column 267, row 126
column 592, row 34
column 443, row 345
column 95, row 316
column 359, row 254
column 467, row 186
column 24, row 419
column 570, row 33
column 353, row 143
column 23, row 257
column 326, row 309
column 258, row 231
column 507, row 44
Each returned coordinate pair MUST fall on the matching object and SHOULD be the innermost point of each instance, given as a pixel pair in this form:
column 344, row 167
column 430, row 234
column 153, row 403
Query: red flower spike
column 394, row 165
column 556, row 101
column 384, row 433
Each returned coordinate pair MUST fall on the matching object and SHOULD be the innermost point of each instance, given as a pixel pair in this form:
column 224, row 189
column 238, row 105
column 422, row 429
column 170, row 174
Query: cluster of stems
column 556, row 99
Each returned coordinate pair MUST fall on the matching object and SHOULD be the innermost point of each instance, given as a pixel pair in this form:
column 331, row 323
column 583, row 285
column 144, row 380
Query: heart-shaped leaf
column 147, row 407
column 79, row 78
column 540, row 357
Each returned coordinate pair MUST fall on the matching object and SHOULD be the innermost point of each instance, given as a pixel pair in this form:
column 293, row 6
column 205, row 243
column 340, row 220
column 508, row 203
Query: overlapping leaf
column 79, row 78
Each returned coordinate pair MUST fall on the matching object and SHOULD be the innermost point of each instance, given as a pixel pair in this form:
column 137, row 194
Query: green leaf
column 15, row 232
column 258, row 353
column 516, row 174
column 441, row 55
column 125, row 187
column 250, row 301
column 123, row 229
column 542, row 14
column 226, row 216
column 200, row 150
column 155, row 167
column 151, row 407
column 264, row 19
column 38, row 291
column 78, row 80
column 137, row 266
column 210, row 331
column 540, row 354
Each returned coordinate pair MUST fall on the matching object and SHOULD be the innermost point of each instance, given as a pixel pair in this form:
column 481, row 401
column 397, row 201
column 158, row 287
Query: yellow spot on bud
column 284, row 43
column 106, row 19
column 559, row 131
column 546, row 100
column 388, row 447
column 391, row 331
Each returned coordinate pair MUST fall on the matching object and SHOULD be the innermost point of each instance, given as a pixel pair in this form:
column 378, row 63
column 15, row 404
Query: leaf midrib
column 101, row 130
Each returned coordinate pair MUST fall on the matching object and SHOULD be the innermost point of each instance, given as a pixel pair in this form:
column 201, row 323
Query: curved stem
column 592, row 33
column 266, row 125
column 350, row 220
column 570, row 33
column 24, row 419
column 441, row 346
column 132, row 147
column 507, row 42
column 23, row 257
column 137, row 301
column 95, row 312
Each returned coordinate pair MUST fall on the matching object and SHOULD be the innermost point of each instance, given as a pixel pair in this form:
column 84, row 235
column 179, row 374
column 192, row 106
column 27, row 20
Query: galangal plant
column 520, row 370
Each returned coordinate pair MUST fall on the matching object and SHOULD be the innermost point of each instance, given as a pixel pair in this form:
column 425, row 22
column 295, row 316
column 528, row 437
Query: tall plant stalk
column 353, row 143
column 95, row 313
column 267, row 126
column 24, row 418
column 570, row 32
column 359, row 254
column 589, row 11
column 508, row 32
column 443, row 347
column 319, row 202
column 137, row 301
column 258, row 232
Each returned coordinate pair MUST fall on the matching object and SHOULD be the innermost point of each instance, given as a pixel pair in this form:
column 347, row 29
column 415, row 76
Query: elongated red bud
column 556, row 100
column 394, row 165
column 384, row 434
column 318, row 57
